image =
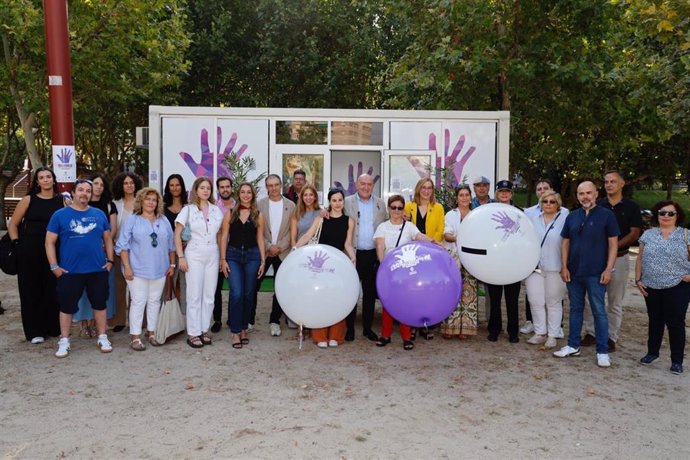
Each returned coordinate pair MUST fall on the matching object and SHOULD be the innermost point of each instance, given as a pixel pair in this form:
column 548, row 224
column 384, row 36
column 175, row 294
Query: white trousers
column 202, row 278
column 545, row 292
column 615, row 291
column 145, row 295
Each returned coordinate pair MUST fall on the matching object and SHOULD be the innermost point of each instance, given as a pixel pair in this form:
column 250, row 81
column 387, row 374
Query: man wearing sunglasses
column 588, row 255
column 86, row 257
column 629, row 218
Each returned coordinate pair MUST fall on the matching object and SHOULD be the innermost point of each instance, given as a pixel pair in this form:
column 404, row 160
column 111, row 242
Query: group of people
column 69, row 247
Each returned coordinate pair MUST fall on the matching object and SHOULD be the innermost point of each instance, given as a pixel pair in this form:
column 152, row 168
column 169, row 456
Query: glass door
column 403, row 168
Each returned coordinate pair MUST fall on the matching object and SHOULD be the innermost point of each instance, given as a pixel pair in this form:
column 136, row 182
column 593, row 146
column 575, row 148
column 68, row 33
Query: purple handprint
column 205, row 166
column 451, row 161
column 65, row 155
column 352, row 180
column 508, row 225
column 318, row 260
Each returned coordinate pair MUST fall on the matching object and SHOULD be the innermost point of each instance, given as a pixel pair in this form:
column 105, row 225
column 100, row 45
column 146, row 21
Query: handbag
column 171, row 321
column 315, row 239
column 186, row 234
column 9, row 260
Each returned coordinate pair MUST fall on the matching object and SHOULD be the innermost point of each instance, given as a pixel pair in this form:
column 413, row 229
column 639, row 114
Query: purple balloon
column 419, row 284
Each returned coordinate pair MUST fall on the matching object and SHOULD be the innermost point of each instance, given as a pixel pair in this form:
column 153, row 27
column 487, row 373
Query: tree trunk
column 5, row 181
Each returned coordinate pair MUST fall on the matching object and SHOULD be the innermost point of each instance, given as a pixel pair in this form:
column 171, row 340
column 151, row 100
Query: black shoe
column 648, row 359
column 492, row 337
column 383, row 341
column 216, row 326
column 371, row 335
column 676, row 368
column 514, row 339
column 349, row 335
column 612, row 346
column 118, row 328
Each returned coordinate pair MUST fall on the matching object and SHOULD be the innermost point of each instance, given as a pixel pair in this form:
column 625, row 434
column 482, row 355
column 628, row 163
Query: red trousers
column 387, row 327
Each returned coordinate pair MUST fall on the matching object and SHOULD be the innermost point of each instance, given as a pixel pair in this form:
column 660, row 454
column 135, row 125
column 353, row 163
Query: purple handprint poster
column 64, row 163
column 348, row 165
column 195, row 147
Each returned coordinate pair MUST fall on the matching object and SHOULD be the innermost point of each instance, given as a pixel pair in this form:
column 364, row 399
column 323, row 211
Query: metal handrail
column 17, row 182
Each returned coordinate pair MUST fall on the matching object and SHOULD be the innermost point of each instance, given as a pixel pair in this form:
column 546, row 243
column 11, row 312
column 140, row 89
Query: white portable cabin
column 333, row 146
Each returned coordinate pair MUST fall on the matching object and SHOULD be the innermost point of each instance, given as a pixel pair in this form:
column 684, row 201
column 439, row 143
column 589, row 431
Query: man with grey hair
column 368, row 212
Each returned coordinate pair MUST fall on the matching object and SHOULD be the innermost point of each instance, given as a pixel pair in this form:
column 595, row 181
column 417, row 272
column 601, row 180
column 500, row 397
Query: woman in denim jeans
column 242, row 256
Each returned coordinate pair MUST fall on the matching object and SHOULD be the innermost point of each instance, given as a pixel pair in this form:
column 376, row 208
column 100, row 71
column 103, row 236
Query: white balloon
column 317, row 286
column 498, row 244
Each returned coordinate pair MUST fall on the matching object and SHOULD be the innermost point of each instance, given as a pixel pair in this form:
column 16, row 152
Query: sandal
column 206, row 338
column 137, row 345
column 383, row 341
column 236, row 341
column 243, row 338
column 152, row 340
column 408, row 345
column 195, row 342
column 93, row 332
column 413, row 334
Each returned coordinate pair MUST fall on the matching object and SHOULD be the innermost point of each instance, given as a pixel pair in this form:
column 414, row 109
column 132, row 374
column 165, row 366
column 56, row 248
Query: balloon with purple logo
column 498, row 244
column 317, row 286
column 419, row 284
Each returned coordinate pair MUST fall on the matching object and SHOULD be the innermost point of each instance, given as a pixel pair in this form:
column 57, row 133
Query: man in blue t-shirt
column 588, row 255
column 83, row 233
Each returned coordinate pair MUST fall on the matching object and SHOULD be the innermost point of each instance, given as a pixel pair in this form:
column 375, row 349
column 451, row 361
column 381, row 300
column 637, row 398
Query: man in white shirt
column 277, row 211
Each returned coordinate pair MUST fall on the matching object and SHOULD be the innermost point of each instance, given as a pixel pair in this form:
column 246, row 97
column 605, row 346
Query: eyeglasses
column 549, row 201
column 154, row 239
column 667, row 213
column 396, row 208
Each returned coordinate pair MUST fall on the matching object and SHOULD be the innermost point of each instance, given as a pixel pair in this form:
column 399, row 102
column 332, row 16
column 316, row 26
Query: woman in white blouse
column 545, row 288
column 200, row 259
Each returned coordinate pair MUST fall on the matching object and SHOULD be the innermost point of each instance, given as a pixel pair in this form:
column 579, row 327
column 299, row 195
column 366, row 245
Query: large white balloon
column 317, row 286
column 498, row 244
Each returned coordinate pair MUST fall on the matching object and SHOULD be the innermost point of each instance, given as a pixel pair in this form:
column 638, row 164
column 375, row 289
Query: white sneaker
column 567, row 351
column 291, row 324
column 250, row 327
column 322, row 344
column 603, row 360
column 63, row 347
column 37, row 340
column 275, row 329
column 332, row 343
column 104, row 344
column 560, row 334
column 550, row 342
column 527, row 328
column 537, row 339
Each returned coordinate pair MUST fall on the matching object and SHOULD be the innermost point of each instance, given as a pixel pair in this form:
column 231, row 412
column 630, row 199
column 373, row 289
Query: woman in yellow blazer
column 429, row 217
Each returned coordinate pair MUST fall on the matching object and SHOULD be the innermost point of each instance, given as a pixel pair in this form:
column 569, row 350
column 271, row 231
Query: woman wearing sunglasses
column 147, row 250
column 388, row 236
column 662, row 274
column 545, row 288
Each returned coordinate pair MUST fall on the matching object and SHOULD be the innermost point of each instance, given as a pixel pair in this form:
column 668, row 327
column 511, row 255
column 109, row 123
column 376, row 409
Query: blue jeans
column 244, row 266
column 577, row 287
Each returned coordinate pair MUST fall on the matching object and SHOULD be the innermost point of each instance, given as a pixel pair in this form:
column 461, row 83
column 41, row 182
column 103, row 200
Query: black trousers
column 218, row 301
column 512, row 292
column 276, row 310
column 668, row 308
column 37, row 294
column 367, row 264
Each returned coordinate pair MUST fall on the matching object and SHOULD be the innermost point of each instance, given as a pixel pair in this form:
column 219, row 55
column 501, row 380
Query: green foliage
column 240, row 169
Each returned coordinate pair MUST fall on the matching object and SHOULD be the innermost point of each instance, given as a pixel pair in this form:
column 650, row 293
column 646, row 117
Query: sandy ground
column 446, row 399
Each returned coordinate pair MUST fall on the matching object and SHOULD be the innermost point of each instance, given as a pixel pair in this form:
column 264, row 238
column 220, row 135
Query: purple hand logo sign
column 65, row 155
column 408, row 258
column 204, row 167
column 316, row 263
column 506, row 223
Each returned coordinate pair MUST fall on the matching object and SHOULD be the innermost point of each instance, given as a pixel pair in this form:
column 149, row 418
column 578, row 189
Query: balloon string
column 300, row 336
column 426, row 329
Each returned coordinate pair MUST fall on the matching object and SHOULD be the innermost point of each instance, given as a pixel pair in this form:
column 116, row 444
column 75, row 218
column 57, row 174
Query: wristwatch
column 54, row 267
column 173, row 265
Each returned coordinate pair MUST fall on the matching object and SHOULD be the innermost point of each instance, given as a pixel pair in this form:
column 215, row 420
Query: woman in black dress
column 335, row 231
column 27, row 229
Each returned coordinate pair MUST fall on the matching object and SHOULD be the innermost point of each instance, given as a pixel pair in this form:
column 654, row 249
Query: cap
column 481, row 180
column 504, row 185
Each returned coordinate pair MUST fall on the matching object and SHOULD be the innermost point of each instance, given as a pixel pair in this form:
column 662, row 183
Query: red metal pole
column 60, row 93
